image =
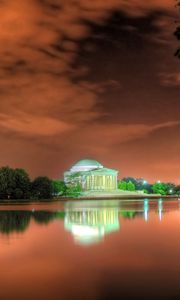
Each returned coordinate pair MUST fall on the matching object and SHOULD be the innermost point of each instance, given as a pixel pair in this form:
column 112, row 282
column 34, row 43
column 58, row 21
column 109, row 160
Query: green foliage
column 128, row 214
column 171, row 188
column 147, row 188
column 133, row 180
column 126, row 186
column 177, row 190
column 42, row 188
column 74, row 191
column 59, row 187
column 22, row 179
column 14, row 183
column 160, row 188
column 122, row 185
column 165, row 188
column 131, row 186
column 140, row 184
column 7, row 182
column 60, row 214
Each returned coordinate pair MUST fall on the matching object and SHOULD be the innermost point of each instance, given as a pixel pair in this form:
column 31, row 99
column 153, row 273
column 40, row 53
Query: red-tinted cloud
column 45, row 101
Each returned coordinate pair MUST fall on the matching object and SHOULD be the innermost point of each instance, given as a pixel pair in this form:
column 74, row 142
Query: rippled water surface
column 90, row 250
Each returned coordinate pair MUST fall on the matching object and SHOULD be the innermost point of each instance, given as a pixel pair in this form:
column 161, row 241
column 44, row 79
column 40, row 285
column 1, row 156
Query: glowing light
column 84, row 231
column 160, row 208
column 146, row 208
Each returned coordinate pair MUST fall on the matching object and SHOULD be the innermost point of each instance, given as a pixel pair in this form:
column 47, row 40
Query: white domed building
column 92, row 176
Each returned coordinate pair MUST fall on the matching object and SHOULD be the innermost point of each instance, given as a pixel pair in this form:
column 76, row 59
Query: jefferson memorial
column 92, row 176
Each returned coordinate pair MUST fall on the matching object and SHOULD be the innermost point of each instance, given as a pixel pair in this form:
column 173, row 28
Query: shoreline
column 65, row 199
column 121, row 197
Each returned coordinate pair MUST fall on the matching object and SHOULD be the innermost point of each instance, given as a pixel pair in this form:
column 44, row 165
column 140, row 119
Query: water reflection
column 89, row 225
column 139, row 257
column 88, row 221
column 146, row 208
column 160, row 209
column 18, row 221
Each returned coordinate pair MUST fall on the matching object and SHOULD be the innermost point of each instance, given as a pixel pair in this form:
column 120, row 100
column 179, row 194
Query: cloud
column 32, row 125
column 44, row 102
column 44, row 34
column 58, row 105
column 39, row 41
column 102, row 138
column 170, row 80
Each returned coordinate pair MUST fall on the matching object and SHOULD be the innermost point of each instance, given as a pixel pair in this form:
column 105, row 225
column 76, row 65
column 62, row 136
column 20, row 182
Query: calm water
column 90, row 250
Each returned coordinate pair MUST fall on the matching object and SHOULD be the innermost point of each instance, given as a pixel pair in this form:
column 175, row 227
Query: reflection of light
column 84, row 230
column 146, row 208
column 86, row 234
column 160, row 207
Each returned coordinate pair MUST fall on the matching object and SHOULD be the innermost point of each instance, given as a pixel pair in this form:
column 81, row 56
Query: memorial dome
column 86, row 165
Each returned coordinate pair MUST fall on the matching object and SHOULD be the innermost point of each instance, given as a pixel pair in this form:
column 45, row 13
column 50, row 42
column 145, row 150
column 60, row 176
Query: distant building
column 91, row 175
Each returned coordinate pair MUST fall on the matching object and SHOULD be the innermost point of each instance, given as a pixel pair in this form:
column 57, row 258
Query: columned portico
column 92, row 176
column 101, row 182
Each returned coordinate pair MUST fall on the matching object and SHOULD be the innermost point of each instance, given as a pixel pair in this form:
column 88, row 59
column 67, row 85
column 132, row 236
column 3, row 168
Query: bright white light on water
column 84, row 230
column 146, row 208
column 160, row 208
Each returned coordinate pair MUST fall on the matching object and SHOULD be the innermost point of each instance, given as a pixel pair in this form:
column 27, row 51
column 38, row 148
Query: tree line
column 139, row 184
column 16, row 184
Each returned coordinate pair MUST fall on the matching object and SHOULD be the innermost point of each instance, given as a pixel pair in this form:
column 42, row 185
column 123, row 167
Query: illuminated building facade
column 92, row 176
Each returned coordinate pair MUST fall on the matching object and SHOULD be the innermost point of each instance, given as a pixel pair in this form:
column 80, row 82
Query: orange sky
column 90, row 79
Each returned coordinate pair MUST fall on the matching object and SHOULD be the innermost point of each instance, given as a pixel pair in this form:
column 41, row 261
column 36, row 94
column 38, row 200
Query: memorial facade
column 92, row 176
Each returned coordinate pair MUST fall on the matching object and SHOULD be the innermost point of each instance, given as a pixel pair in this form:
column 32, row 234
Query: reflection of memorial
column 88, row 221
column 89, row 226
column 91, row 221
